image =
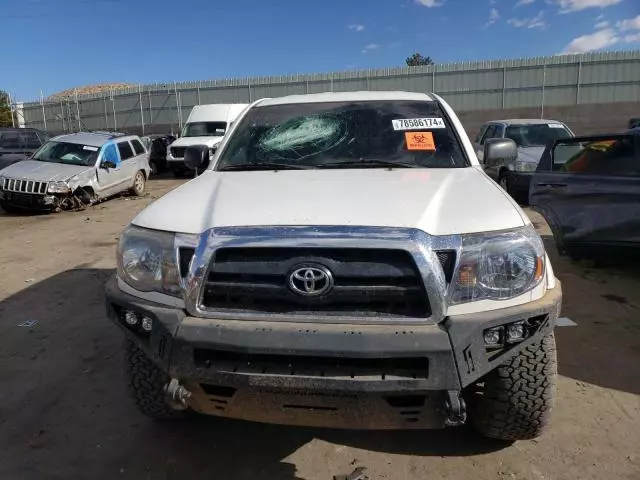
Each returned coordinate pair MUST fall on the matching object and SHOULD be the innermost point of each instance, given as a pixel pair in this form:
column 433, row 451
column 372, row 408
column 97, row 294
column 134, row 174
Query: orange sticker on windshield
column 419, row 141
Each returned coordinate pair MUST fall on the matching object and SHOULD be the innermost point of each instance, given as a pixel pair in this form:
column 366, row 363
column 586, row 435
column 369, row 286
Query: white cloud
column 600, row 17
column 533, row 22
column 595, row 41
column 635, row 38
column 629, row 24
column 494, row 16
column 606, row 36
column 357, row 27
column 370, row 47
column 429, row 3
column 524, row 2
column 567, row 6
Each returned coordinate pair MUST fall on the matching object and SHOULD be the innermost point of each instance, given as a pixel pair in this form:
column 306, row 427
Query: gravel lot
column 64, row 411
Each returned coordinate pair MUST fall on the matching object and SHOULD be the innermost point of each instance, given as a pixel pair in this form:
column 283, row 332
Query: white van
column 206, row 125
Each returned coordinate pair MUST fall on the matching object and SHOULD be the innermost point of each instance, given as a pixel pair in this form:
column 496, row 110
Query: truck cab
column 206, row 125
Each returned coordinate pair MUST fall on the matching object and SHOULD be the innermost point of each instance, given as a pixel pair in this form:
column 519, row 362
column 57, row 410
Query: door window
column 125, row 150
column 615, row 155
column 490, row 133
column 137, row 146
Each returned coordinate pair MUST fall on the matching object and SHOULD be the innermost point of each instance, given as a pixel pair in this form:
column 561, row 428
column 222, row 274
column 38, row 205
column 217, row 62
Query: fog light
column 130, row 318
column 492, row 336
column 515, row 332
column 147, row 324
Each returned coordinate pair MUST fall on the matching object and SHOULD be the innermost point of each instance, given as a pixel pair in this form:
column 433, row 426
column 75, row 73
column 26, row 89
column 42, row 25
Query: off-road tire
column 139, row 184
column 146, row 383
column 517, row 397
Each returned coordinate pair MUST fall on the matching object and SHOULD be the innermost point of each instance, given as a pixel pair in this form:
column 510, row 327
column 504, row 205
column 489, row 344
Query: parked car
column 330, row 267
column 157, row 146
column 206, row 125
column 634, row 123
column 588, row 190
column 17, row 144
column 73, row 170
column 531, row 137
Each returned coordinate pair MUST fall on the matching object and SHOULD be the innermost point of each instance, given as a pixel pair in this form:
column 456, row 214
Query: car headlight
column 147, row 260
column 498, row 266
column 58, row 187
column 520, row 166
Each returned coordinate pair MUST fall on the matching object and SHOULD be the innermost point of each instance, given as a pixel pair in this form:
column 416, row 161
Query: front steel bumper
column 28, row 201
column 360, row 376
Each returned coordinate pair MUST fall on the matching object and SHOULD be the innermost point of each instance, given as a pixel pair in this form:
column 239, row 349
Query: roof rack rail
column 108, row 133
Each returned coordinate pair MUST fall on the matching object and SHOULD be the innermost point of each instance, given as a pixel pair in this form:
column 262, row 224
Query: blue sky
column 59, row 44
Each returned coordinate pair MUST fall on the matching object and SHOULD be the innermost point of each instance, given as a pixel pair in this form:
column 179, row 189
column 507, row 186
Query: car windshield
column 15, row 139
column 376, row 134
column 204, row 129
column 536, row 135
column 67, row 153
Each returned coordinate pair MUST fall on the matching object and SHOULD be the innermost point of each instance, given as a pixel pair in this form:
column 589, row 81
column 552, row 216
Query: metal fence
column 488, row 85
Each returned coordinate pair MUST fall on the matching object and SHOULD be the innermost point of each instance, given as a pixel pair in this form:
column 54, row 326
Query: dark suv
column 18, row 144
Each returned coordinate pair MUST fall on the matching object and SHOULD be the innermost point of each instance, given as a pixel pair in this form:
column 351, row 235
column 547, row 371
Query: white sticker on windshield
column 556, row 125
column 91, row 149
column 219, row 130
column 417, row 123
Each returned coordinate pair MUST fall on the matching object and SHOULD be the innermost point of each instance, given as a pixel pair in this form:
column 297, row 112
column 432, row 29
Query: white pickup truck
column 343, row 261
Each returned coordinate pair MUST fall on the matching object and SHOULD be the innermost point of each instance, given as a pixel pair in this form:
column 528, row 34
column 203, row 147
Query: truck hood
column 188, row 141
column 43, row 171
column 437, row 201
column 530, row 154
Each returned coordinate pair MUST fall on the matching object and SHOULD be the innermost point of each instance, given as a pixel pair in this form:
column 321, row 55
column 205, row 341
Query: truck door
column 588, row 190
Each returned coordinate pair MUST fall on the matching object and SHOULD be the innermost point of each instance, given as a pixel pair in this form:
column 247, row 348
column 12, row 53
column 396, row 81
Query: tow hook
column 177, row 395
column 455, row 408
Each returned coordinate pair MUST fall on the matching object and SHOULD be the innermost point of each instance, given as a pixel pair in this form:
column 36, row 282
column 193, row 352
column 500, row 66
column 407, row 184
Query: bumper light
column 130, row 318
column 493, row 337
column 515, row 332
column 147, row 324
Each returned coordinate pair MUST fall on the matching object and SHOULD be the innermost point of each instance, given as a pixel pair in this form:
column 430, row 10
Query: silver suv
column 73, row 170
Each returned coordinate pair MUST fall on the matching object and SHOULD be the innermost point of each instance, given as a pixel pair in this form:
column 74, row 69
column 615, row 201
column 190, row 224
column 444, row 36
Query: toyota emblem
column 311, row 280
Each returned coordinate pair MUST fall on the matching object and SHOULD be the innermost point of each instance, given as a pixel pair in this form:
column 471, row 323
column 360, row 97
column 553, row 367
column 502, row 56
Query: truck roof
column 216, row 112
column 347, row 97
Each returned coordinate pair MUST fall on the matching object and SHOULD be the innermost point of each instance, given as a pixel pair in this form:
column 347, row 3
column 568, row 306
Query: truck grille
column 366, row 282
column 23, row 186
column 178, row 152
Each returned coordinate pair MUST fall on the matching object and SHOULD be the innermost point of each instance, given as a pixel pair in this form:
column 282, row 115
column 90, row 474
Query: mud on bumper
column 336, row 375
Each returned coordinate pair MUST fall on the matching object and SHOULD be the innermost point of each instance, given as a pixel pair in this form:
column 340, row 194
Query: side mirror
column 107, row 164
column 499, row 151
column 196, row 157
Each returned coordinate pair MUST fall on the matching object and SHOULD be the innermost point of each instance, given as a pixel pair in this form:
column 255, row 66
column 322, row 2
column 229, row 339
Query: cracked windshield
column 337, row 240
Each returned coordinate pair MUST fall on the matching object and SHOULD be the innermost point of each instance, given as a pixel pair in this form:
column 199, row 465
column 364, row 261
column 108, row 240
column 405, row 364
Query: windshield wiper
column 367, row 162
column 263, row 166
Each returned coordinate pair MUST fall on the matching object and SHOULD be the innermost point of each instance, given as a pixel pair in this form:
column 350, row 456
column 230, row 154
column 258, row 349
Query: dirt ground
column 65, row 414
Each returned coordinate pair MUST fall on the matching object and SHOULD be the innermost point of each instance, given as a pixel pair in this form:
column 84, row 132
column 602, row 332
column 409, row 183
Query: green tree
column 5, row 110
column 416, row 60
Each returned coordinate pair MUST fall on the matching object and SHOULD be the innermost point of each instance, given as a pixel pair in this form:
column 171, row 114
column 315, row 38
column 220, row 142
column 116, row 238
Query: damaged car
column 588, row 190
column 531, row 137
column 75, row 170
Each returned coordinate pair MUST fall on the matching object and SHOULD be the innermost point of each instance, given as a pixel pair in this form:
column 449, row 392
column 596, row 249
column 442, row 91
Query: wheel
column 139, row 183
column 153, row 167
column 146, row 384
column 505, row 183
column 517, row 397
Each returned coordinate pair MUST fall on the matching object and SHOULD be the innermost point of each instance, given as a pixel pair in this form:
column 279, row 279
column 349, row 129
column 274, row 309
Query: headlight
column 520, row 166
column 58, row 187
column 147, row 260
column 498, row 266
